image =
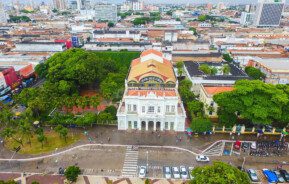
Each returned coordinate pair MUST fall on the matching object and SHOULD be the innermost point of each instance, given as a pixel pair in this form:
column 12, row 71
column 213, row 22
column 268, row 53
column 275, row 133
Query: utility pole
column 147, row 161
column 243, row 163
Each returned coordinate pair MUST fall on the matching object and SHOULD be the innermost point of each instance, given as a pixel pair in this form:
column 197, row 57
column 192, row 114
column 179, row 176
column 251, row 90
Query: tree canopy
column 259, row 102
column 71, row 173
column 219, row 173
column 200, row 125
column 254, row 73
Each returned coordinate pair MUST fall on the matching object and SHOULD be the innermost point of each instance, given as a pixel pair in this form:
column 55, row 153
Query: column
column 138, row 124
column 147, row 125
column 162, row 125
column 155, row 125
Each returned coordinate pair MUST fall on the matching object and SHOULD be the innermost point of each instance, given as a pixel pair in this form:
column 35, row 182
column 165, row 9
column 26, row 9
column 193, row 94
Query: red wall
column 11, row 77
column 68, row 43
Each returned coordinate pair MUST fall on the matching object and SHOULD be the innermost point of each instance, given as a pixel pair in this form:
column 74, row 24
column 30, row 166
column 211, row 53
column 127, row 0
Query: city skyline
column 156, row 1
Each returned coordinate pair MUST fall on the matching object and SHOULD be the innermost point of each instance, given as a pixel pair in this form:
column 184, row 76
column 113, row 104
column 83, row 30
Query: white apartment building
column 3, row 15
column 151, row 100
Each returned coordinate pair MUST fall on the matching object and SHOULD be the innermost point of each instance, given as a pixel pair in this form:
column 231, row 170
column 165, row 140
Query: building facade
column 3, row 15
column 151, row 100
column 269, row 13
column 60, row 4
column 247, row 18
column 106, row 12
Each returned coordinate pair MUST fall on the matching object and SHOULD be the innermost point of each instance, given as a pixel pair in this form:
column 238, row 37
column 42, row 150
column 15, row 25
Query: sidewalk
column 110, row 135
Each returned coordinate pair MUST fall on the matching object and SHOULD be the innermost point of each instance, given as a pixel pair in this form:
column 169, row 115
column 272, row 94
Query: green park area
column 66, row 75
column 51, row 142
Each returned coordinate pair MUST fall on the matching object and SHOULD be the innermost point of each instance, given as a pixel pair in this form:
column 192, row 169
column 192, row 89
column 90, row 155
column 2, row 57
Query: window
column 212, row 103
column 167, row 108
column 173, row 108
column 210, row 112
column 135, row 124
column 129, row 125
column 143, row 109
column 151, row 109
column 159, row 109
column 134, row 108
column 166, row 125
column 129, row 107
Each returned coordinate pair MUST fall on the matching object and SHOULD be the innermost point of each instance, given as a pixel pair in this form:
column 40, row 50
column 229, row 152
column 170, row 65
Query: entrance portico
column 151, row 125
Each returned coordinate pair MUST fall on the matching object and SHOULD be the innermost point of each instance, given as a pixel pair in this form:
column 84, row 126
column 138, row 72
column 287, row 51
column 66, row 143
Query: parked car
column 271, row 177
column 285, row 174
column 176, row 172
column 237, row 145
column 190, row 172
column 202, row 158
column 253, row 175
column 142, row 172
column 279, row 176
column 167, row 172
column 253, row 145
column 184, row 172
column 245, row 145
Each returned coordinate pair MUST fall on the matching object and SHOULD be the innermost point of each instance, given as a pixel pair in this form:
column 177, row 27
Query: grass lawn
column 53, row 142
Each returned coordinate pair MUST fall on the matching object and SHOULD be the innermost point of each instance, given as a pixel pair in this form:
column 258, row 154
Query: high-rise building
column 106, row 12
column 221, row 6
column 135, row 5
column 60, row 4
column 209, row 6
column 248, row 8
column 3, row 15
column 268, row 13
column 247, row 18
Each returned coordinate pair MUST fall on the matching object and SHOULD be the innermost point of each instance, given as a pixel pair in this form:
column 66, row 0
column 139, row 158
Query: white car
column 176, row 172
column 142, row 172
column 190, row 172
column 202, row 158
column 167, row 172
column 253, row 145
column 184, row 172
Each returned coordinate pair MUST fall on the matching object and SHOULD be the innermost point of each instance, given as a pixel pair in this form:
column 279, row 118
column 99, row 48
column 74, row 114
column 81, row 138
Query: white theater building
column 151, row 100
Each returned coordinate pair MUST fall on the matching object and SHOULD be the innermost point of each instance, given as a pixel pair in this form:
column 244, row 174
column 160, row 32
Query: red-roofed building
column 206, row 96
column 11, row 77
column 27, row 71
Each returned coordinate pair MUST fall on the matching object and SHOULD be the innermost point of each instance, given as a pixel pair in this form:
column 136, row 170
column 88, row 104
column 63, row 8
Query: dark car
column 284, row 174
column 245, row 145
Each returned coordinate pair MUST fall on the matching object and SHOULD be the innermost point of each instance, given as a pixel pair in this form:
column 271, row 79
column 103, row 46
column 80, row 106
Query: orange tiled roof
column 151, row 51
column 217, row 89
column 26, row 71
column 146, row 92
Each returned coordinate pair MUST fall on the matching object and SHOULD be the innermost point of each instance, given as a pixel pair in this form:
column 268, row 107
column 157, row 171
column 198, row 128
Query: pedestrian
column 108, row 139
column 159, row 135
column 180, row 139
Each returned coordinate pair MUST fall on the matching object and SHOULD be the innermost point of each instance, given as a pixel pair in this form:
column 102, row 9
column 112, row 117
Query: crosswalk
column 215, row 150
column 129, row 168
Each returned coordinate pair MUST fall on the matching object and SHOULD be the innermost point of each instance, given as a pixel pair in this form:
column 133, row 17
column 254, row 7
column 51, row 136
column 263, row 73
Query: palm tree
column 63, row 132
column 41, row 138
column 9, row 133
column 26, row 130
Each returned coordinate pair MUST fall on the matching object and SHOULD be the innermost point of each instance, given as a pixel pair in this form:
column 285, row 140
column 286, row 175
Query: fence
column 244, row 130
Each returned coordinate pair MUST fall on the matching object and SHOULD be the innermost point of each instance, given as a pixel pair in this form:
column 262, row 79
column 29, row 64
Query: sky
column 158, row 1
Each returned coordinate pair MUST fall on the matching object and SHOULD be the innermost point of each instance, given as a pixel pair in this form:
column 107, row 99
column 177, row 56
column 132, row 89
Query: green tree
column 110, row 24
column 7, row 133
column 63, row 133
column 200, row 125
column 195, row 108
column 254, row 73
column 194, row 30
column 202, row 18
column 219, row 173
column 180, row 69
column 35, row 182
column 112, row 110
column 255, row 100
column 227, row 57
column 226, row 69
column 205, row 68
column 8, row 182
column 26, row 130
column 41, row 138
column 71, row 173
column 185, row 91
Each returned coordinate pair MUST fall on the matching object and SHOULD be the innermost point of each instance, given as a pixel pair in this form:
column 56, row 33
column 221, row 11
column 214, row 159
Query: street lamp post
column 147, row 161
column 243, row 163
